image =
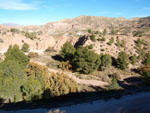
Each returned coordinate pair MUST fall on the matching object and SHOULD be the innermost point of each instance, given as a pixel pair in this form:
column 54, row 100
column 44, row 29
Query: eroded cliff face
column 36, row 45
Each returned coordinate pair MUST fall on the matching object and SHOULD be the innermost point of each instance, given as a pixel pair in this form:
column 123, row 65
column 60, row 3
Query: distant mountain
column 11, row 24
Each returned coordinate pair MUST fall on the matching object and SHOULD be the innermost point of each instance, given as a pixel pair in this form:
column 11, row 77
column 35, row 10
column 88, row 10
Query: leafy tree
column 14, row 53
column 32, row 90
column 106, row 61
column 133, row 59
column 25, row 47
column 67, row 51
column 12, row 76
column 123, row 59
column 86, row 61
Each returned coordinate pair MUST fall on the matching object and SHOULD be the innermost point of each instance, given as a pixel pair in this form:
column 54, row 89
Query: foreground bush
column 32, row 90
column 86, row 61
column 60, row 84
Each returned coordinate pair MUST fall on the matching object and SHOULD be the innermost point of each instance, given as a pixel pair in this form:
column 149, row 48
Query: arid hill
column 55, row 34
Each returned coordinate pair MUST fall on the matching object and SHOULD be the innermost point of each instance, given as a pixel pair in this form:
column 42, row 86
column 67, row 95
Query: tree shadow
column 73, row 98
column 57, row 57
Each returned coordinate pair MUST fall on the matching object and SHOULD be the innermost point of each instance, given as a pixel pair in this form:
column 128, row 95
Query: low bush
column 32, row 54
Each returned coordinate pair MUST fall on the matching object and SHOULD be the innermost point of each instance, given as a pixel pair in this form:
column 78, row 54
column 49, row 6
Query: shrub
column 147, row 59
column 113, row 32
column 90, row 46
column 31, row 36
column 86, row 61
column 118, row 43
column 32, row 54
column 65, row 65
column 93, row 37
column 90, row 31
column 137, row 33
column 111, row 41
column 14, row 53
column 103, row 39
column 145, row 71
column 25, row 47
column 13, row 30
column 38, row 72
column 133, row 59
column 50, row 49
column 106, row 61
column 114, row 85
column 122, row 61
column 67, row 51
column 123, row 43
column 60, row 84
column 105, row 32
column 139, row 43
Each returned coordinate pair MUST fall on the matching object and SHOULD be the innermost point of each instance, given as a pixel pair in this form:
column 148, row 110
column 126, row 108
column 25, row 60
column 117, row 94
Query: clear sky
column 38, row 12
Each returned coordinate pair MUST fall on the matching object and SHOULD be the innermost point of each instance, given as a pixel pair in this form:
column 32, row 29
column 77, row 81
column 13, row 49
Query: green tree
column 12, row 76
column 25, row 47
column 67, row 51
column 122, row 60
column 14, row 53
column 106, row 61
column 32, row 90
column 86, row 61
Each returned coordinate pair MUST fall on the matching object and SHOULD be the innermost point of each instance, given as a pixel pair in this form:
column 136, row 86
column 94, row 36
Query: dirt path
column 78, row 80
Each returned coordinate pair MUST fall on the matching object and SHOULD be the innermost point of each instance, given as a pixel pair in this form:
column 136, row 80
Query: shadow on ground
column 76, row 98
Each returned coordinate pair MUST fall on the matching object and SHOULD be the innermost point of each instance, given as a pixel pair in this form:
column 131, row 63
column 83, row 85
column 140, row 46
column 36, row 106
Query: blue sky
column 38, row 12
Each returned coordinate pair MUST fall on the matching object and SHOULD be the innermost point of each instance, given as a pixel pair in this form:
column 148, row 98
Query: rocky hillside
column 55, row 34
